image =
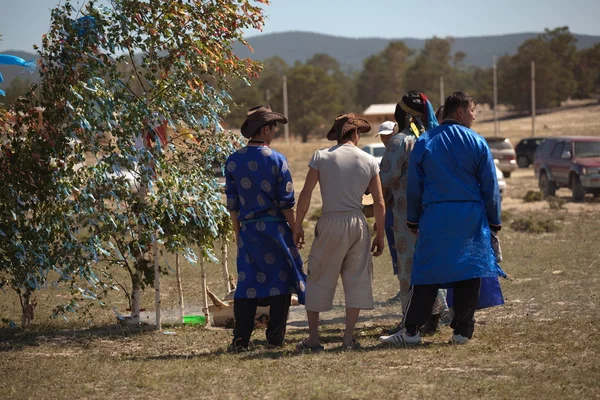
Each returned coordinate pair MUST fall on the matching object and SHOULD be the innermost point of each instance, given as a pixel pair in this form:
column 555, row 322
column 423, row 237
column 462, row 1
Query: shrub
column 555, row 203
column 532, row 196
column 533, row 225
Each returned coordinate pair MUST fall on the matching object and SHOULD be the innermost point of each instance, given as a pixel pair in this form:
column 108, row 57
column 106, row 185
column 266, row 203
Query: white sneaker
column 401, row 338
column 458, row 339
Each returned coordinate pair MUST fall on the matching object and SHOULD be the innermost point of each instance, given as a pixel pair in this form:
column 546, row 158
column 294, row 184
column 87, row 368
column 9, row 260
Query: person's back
column 344, row 175
column 455, row 163
column 454, row 207
column 342, row 239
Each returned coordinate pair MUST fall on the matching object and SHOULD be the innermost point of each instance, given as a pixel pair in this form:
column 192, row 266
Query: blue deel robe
column 453, row 197
column 259, row 186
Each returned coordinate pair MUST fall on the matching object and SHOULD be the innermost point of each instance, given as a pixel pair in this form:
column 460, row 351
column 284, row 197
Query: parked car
column 501, row 180
column 569, row 162
column 504, row 152
column 377, row 150
column 525, row 151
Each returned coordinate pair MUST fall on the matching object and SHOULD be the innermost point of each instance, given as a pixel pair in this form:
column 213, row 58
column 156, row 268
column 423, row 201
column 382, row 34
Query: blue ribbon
column 7, row 59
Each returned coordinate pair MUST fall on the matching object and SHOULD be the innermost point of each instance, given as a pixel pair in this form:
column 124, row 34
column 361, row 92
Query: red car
column 569, row 161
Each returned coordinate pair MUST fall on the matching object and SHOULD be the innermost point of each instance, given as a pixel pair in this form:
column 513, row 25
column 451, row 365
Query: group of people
column 435, row 197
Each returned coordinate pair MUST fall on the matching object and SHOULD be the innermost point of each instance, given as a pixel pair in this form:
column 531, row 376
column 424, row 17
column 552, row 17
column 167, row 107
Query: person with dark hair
column 414, row 115
column 490, row 294
column 342, row 241
column 453, row 207
column 260, row 200
column 439, row 114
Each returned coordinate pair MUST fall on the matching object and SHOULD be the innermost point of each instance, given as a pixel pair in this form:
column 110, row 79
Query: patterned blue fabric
column 389, row 233
column 453, row 196
column 258, row 184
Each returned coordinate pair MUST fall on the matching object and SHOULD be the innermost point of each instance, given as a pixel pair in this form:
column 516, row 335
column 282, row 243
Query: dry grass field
column 544, row 343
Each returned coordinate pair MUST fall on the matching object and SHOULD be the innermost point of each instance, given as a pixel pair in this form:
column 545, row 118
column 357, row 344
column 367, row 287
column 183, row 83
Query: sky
column 22, row 22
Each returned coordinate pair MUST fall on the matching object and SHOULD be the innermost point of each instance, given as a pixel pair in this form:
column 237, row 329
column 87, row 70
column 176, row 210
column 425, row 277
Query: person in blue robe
column 260, row 199
column 453, row 208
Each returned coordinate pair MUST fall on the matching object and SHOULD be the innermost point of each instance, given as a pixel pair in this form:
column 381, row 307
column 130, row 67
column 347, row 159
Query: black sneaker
column 237, row 347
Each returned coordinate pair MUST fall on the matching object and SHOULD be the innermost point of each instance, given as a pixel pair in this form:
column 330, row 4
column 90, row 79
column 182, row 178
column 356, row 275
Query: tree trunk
column 224, row 266
column 204, row 293
column 179, row 288
column 156, row 285
column 136, row 297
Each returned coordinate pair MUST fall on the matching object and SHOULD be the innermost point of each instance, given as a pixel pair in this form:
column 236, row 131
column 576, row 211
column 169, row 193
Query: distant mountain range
column 350, row 52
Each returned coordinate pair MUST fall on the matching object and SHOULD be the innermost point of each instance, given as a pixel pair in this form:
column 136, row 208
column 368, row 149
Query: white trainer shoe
column 458, row 339
column 401, row 338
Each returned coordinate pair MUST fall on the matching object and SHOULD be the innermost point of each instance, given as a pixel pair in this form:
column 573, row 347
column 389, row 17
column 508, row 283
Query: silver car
column 503, row 151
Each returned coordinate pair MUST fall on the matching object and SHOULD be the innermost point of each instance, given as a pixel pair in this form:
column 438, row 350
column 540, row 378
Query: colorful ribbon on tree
column 7, row 59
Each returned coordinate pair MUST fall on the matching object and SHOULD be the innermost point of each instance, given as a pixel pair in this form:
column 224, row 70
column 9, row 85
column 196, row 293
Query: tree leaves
column 81, row 214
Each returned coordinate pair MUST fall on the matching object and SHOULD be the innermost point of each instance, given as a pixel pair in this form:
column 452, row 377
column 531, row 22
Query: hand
column 378, row 246
column 414, row 232
column 299, row 237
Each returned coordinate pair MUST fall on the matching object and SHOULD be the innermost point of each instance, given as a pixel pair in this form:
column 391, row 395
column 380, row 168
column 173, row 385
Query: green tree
column 587, row 73
column 430, row 64
column 142, row 186
column 18, row 87
column 554, row 53
column 314, row 99
column 480, row 83
column 382, row 79
column 346, row 84
column 266, row 89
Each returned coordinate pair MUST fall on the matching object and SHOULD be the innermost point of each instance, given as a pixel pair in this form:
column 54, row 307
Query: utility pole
column 286, row 127
column 532, row 98
column 496, row 127
column 442, row 95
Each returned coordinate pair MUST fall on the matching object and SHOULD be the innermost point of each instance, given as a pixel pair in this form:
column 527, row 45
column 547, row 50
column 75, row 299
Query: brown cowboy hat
column 259, row 116
column 345, row 123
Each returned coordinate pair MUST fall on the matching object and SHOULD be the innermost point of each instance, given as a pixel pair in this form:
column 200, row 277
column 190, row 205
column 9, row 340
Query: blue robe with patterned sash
column 259, row 186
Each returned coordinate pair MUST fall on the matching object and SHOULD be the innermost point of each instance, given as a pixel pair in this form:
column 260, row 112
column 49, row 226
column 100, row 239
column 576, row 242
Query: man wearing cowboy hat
column 342, row 242
column 260, row 200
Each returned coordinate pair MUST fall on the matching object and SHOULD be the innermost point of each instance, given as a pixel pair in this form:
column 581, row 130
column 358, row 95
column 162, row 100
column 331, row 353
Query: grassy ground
column 544, row 343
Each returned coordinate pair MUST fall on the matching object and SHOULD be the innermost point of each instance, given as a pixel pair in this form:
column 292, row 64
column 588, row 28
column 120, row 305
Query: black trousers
column 420, row 305
column 244, row 311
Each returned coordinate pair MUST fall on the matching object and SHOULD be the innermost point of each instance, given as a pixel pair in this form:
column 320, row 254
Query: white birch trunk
column 156, row 284
column 204, row 294
column 136, row 298
column 136, row 291
column 179, row 288
column 224, row 266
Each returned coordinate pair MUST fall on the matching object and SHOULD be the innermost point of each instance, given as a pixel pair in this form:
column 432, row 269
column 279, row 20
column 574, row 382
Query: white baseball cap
column 387, row 128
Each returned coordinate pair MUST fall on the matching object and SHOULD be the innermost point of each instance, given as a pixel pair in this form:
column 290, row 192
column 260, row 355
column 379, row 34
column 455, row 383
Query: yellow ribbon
column 414, row 129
